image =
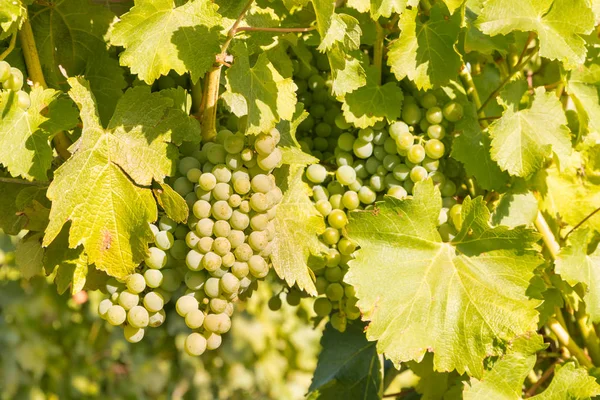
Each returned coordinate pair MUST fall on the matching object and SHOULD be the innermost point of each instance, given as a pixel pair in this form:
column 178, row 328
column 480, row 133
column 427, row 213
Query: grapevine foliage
column 421, row 177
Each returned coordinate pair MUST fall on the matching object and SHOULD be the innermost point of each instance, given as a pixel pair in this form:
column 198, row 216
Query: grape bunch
column 219, row 254
column 11, row 79
column 367, row 164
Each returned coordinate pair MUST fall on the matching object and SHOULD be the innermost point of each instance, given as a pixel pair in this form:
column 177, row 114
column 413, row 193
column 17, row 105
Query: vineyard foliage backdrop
column 418, row 182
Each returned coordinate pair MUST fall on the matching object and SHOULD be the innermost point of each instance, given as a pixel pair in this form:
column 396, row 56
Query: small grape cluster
column 11, row 78
column 369, row 163
column 219, row 254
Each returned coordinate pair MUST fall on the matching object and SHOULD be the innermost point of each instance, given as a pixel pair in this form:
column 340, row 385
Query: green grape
column 334, row 188
column 234, row 144
column 455, row 217
column 274, row 303
column 104, row 304
column 366, row 134
column 316, row 82
column 397, row 129
column 418, row 174
column 366, row 195
column 116, row 315
column 228, row 260
column 218, row 323
column 204, row 227
column 262, row 183
column 416, row 154
column 222, row 191
column 211, row 261
column 448, row 202
column 257, row 266
column 212, row 287
column 243, row 252
column 428, row 100
column 453, row 111
column 213, row 340
column 4, row 71
column 334, row 274
column 138, row 317
column 221, row 246
column 218, row 305
column 194, row 319
column 376, row 183
column 15, row 81
column 448, row 188
column 339, row 322
column 259, row 222
column 322, row 306
column 337, row 219
column 132, row 334
column 391, row 161
column 235, row 200
column 341, row 122
column 362, row 149
column 350, row 200
column 434, row 115
column 179, row 250
column 156, row 319
column 23, row 100
column 221, row 173
column 229, row 283
column 207, row 181
column 195, row 344
column 153, row 278
column 346, row 175
column 194, row 280
column 240, row 269
column 424, row 125
column 434, row 149
column 401, row 172
column 221, row 229
column 153, row 302
column 398, row 192
column 183, row 186
column 316, row 173
column 293, row 297
column 334, row 291
column 430, row 165
column 201, row 209
column 346, row 141
column 215, row 153
column 221, row 210
column 331, row 236
column 411, row 114
column 164, row 240
column 239, row 220
column 155, row 258
column 166, row 224
column 185, row 304
column 259, row 202
column 436, row 132
column 267, row 163
column 323, row 129
column 344, row 158
column 447, row 232
column 171, row 280
column 405, row 140
column 204, row 245
column 324, row 207
column 136, row 283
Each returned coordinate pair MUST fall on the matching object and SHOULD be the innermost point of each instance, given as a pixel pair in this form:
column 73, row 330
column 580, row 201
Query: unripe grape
column 116, row 315
column 136, row 283
column 195, row 344
column 133, row 334
column 194, row 319
column 153, row 302
column 185, row 304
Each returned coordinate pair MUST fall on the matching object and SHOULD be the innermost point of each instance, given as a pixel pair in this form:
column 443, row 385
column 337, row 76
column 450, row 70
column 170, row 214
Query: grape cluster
column 368, row 164
column 12, row 79
column 221, row 251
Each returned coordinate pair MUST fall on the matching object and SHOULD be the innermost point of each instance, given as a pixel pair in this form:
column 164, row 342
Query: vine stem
column 22, row 182
column 210, row 95
column 276, row 30
column 589, row 336
column 536, row 385
column 34, row 69
column 547, row 236
column 382, row 372
column 11, row 46
column 583, row 221
column 378, row 50
column 467, row 80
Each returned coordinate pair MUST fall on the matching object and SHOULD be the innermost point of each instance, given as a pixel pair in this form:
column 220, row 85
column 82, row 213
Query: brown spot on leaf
column 106, row 239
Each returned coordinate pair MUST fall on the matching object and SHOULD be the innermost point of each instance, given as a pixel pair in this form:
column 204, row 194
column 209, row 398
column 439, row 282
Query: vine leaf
column 472, row 148
column 172, row 202
column 109, row 214
column 15, row 200
column 381, row 8
column 505, row 379
column 575, row 266
column 348, row 366
column 583, row 89
column 570, row 382
column 258, row 91
column 298, row 225
column 474, row 287
column 425, row 51
column 159, row 37
column 436, row 385
column 25, row 135
column 29, row 254
column 70, row 35
column 559, row 24
column 71, row 265
column 11, row 16
column 373, row 102
column 290, row 148
column 347, row 72
column 522, row 140
column 516, row 207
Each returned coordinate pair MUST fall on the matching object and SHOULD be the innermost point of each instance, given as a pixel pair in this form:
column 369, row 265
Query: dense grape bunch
column 220, row 253
column 11, row 79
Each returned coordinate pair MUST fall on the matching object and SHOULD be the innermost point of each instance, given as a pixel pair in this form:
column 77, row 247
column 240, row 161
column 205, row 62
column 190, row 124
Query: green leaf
column 172, row 202
column 570, row 382
column 423, row 288
column 71, row 263
column 29, row 254
column 381, row 8
column 159, row 37
column 373, row 102
column 344, row 31
column 434, row 385
column 472, row 148
column 425, row 51
column 290, row 148
column 25, row 134
column 347, row 72
column 348, row 366
column 15, row 199
column 70, row 35
column 583, row 88
column 109, row 214
column 575, row 266
column 298, row 225
column 505, row 380
column 453, row 4
column 258, row 91
column 516, row 207
column 522, row 140
column 559, row 24
column 11, row 16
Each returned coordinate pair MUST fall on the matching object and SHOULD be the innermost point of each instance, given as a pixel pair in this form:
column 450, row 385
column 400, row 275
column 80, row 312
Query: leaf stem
column 378, row 50
column 34, row 70
column 547, row 235
column 382, row 372
column 11, row 46
column 467, row 80
column 565, row 339
column 210, row 94
column 589, row 336
column 583, row 221
column 547, row 374
column 514, row 71
column 275, row 30
column 22, row 182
